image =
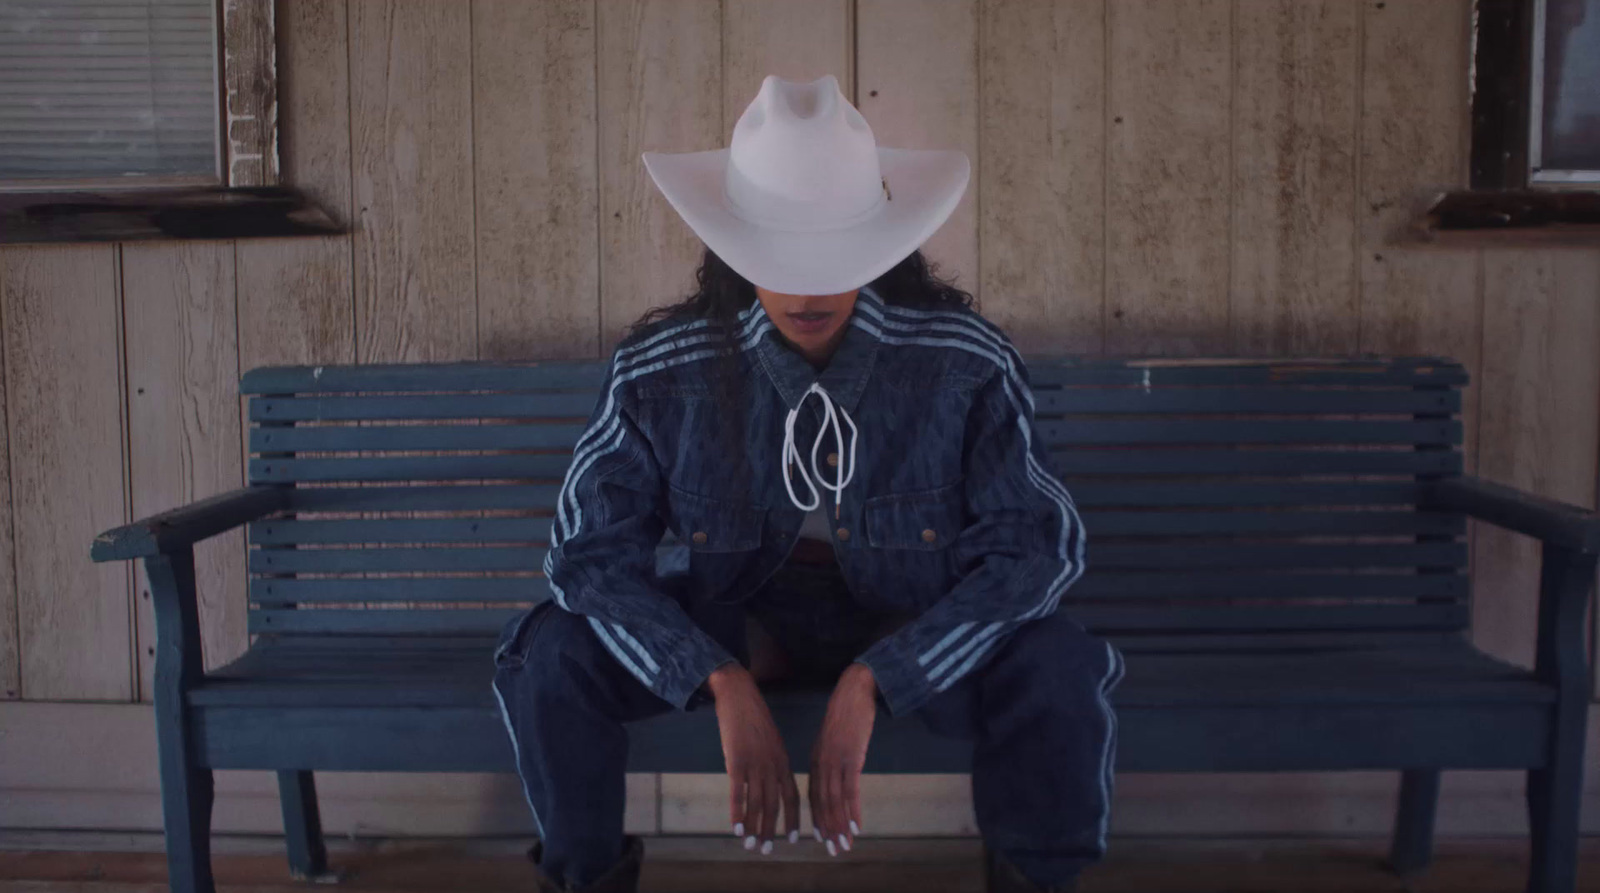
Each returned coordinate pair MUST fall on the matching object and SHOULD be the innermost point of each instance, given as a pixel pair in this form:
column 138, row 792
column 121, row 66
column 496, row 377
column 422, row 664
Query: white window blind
column 108, row 90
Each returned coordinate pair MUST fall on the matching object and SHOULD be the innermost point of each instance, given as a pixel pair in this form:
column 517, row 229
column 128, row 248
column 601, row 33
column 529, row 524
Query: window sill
column 210, row 212
column 1508, row 218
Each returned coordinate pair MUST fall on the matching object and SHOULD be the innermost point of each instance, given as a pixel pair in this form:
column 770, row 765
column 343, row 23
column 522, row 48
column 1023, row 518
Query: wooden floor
column 700, row 865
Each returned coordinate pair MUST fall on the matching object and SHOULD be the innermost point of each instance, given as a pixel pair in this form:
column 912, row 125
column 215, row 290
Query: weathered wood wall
column 1151, row 176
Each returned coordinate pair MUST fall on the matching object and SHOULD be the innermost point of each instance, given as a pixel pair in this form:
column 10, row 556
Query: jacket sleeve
column 601, row 563
column 1023, row 545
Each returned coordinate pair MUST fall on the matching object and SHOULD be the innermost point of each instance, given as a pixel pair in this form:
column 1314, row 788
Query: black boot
column 621, row 877
column 1000, row 876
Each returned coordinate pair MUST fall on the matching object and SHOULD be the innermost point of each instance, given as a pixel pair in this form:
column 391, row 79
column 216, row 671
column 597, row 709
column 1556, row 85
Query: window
column 1536, row 95
column 109, row 93
column 1564, row 139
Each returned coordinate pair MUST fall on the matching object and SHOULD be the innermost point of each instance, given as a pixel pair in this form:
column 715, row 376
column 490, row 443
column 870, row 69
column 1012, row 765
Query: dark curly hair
column 721, row 294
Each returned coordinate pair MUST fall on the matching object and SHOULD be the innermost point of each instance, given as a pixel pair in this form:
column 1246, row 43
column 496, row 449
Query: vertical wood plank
column 1041, row 180
column 1414, row 121
column 799, row 40
column 10, row 654
column 537, row 190
column 1296, row 76
column 1539, row 429
column 660, row 90
column 917, row 85
column 184, row 423
column 62, row 356
column 1167, row 176
column 295, row 294
column 411, row 125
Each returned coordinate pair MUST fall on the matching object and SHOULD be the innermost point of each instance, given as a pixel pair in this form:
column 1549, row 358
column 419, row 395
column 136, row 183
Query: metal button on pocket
column 833, row 460
column 929, row 536
column 699, row 537
column 843, row 534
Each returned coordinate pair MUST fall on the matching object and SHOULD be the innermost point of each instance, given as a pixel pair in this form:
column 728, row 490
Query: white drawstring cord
column 832, row 413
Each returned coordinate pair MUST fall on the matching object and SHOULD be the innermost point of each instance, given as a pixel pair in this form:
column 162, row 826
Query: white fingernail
column 844, row 844
column 750, row 842
column 738, row 829
column 854, row 828
column 831, row 850
column 794, row 836
column 818, row 833
column 766, row 848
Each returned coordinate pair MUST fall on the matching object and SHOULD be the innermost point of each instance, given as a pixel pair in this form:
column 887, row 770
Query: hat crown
column 803, row 158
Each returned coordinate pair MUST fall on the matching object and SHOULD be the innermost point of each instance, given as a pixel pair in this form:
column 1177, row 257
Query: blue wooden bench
column 1278, row 546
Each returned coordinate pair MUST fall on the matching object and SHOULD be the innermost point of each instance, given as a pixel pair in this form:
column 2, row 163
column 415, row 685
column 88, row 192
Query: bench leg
column 302, row 827
column 186, row 795
column 186, row 785
column 1412, row 847
column 1553, row 804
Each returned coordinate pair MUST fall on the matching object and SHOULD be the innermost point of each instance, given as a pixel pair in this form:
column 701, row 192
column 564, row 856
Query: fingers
column 852, row 802
column 757, row 799
column 771, row 797
column 791, row 807
column 834, row 792
column 736, row 798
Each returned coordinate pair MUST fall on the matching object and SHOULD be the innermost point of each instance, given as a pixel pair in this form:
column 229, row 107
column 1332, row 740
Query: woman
column 845, row 451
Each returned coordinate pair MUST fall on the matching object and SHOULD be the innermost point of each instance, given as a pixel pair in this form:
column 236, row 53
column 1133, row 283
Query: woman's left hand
column 837, row 757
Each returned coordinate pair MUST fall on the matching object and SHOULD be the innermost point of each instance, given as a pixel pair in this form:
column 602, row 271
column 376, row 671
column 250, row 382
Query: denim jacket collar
column 845, row 376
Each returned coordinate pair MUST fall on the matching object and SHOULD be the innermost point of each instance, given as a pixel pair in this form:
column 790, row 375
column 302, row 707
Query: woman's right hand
column 758, row 766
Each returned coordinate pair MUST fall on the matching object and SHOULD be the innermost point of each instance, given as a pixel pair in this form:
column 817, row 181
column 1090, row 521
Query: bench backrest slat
column 1226, row 501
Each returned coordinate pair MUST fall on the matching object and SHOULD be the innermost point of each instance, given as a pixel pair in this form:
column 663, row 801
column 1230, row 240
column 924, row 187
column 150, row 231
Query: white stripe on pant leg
column 516, row 752
column 1112, row 677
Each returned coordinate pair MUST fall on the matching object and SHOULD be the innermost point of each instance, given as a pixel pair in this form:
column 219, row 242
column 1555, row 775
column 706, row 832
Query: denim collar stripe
column 1047, row 485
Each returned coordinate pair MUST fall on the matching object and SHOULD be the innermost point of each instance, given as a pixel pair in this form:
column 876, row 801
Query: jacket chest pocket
column 709, row 524
column 924, row 520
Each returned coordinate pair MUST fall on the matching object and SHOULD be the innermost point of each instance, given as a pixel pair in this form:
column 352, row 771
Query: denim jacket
column 952, row 517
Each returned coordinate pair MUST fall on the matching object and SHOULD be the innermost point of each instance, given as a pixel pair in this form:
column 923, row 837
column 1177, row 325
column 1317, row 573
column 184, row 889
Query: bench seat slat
column 1102, row 524
column 375, row 407
column 1286, row 400
column 1117, row 556
column 457, row 376
column 1167, row 460
column 439, row 558
column 524, row 466
column 1237, row 494
column 1452, row 671
column 1097, row 617
column 331, row 438
column 1110, row 585
column 1223, row 584
column 1046, row 371
column 423, row 498
column 1055, row 432
column 1086, row 493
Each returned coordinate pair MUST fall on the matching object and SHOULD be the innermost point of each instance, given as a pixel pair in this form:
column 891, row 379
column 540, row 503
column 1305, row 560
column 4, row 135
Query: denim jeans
column 1043, row 730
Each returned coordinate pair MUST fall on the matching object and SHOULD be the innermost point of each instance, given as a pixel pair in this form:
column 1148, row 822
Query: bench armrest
column 1556, row 523
column 189, row 524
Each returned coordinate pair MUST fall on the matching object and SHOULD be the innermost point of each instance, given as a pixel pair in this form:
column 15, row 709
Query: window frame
column 1506, row 126
column 1539, row 176
column 244, row 108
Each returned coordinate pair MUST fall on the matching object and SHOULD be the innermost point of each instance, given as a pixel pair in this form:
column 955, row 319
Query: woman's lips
column 810, row 323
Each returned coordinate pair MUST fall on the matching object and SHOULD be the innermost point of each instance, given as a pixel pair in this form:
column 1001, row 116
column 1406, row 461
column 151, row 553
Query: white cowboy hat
column 804, row 201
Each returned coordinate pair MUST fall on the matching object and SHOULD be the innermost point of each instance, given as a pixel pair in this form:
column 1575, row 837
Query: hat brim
column 925, row 186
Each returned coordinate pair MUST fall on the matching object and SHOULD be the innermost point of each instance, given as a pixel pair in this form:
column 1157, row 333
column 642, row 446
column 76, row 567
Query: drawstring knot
column 832, row 414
